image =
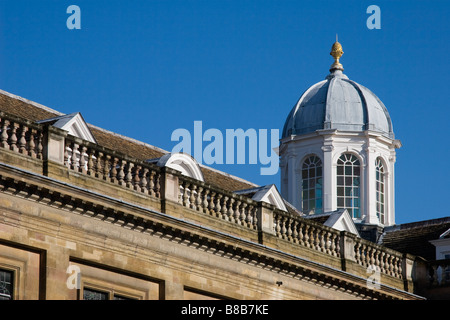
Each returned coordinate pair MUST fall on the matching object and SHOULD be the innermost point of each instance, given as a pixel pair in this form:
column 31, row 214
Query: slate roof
column 414, row 237
column 338, row 103
column 33, row 111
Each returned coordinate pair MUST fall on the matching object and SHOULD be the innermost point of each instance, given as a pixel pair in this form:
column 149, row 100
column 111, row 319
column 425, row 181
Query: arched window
column 380, row 189
column 349, row 184
column 312, row 185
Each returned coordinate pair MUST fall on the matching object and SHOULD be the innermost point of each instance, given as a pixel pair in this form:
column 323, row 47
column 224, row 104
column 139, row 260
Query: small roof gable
column 182, row 162
column 339, row 220
column 268, row 194
column 74, row 124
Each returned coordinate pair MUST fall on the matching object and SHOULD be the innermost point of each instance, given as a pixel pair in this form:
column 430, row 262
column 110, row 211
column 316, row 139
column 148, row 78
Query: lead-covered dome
column 338, row 103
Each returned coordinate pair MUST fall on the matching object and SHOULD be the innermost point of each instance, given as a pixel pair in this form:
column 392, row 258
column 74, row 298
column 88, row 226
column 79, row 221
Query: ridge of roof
column 41, row 106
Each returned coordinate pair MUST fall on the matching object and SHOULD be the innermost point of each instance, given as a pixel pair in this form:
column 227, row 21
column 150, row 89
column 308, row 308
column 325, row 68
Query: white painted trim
column 182, row 162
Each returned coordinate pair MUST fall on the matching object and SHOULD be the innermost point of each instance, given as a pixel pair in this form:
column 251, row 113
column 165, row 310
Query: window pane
column 6, row 284
column 304, row 174
column 340, row 170
column 348, row 170
column 319, row 171
column 89, row 294
column 305, row 205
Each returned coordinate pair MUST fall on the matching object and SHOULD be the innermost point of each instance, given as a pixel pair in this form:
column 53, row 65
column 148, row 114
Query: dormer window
column 74, row 124
column 183, row 163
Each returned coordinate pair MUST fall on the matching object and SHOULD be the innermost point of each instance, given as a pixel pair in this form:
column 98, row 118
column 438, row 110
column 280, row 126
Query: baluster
column 136, row 179
column 144, row 182
column 237, row 213
column 192, row 196
column 90, row 163
column 398, row 267
column 205, row 202
column 152, row 184
column 255, row 218
column 83, row 165
column 185, row 194
column 382, row 261
column 22, row 143
column 40, row 146
column 98, row 165
column 295, row 238
column 325, row 243
column 277, row 221
column 199, row 200
column 157, row 185
column 114, row 170
column 212, row 205
column 330, row 240
column 13, row 138
column 67, row 154
column 289, row 229
column 75, row 159
column 224, row 208
column 107, row 167
column 31, row 144
column 358, row 252
column 4, row 135
column 121, row 173
column 301, row 233
column 230, row 216
column 243, row 216
column 218, row 207
column 316, row 243
column 249, row 217
column 306, row 242
column 128, row 175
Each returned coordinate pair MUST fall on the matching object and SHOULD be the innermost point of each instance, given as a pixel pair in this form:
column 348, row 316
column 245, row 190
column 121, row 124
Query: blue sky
column 146, row 68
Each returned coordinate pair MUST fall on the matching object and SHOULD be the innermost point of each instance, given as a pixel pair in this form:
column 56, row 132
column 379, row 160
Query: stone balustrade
column 389, row 262
column 87, row 159
column 21, row 136
column 217, row 203
column 107, row 165
column 305, row 233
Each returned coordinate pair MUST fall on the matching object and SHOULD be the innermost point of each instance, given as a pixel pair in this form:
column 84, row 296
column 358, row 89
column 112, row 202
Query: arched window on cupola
column 380, row 175
column 312, row 186
column 349, row 184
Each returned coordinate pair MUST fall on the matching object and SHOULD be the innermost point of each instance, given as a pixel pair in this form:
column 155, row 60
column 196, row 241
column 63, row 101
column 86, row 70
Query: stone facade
column 78, row 218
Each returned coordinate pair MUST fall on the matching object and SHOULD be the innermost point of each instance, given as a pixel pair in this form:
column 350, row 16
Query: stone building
column 86, row 213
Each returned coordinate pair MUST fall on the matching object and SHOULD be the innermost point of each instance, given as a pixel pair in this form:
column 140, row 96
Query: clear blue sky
column 146, row 68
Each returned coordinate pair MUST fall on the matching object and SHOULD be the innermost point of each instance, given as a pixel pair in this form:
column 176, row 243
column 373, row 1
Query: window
column 349, row 184
column 380, row 189
column 6, row 284
column 312, row 185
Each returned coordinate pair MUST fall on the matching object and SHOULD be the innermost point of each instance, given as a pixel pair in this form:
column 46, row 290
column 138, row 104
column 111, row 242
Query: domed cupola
column 337, row 150
column 338, row 103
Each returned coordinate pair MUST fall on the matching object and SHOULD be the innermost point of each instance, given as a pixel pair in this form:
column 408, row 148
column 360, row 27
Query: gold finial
column 336, row 53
